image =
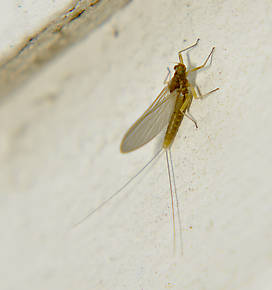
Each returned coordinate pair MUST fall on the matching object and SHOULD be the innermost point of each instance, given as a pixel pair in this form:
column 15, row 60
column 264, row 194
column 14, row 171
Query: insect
column 168, row 109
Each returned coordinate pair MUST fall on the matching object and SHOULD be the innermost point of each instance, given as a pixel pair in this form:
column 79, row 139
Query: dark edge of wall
column 36, row 51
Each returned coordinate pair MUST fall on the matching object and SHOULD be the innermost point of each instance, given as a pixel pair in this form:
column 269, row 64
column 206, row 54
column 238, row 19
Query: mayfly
column 169, row 108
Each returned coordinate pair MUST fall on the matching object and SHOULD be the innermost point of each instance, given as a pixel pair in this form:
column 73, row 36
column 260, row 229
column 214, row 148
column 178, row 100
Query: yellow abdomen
column 175, row 121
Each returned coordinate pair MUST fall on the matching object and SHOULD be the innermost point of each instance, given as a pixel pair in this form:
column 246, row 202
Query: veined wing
column 150, row 124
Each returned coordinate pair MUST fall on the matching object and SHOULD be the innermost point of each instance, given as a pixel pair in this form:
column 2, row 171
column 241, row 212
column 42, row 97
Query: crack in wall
column 38, row 49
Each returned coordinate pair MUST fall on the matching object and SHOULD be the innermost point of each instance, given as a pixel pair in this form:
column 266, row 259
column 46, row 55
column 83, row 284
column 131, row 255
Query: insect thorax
column 179, row 80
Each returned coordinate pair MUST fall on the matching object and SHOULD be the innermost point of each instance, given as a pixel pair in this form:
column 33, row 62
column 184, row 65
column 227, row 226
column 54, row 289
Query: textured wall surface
column 22, row 18
column 59, row 157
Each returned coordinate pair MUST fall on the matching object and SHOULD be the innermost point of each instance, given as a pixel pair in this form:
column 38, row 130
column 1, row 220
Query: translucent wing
column 149, row 125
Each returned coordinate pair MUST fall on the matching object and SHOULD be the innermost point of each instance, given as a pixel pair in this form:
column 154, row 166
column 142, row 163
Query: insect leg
column 179, row 54
column 194, row 92
column 199, row 95
column 168, row 76
column 201, row 66
column 185, row 107
column 189, row 116
column 186, row 103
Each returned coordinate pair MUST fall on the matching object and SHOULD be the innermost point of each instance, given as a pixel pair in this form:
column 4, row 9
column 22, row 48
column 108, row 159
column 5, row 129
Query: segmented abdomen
column 175, row 121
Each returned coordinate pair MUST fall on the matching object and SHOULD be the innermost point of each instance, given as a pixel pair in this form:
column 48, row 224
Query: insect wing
column 150, row 124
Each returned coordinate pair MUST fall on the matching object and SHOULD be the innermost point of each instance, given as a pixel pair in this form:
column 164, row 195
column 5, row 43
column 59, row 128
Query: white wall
column 23, row 18
column 59, row 154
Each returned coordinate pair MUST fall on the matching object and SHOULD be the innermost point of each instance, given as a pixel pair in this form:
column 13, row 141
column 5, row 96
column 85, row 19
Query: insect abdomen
column 174, row 124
